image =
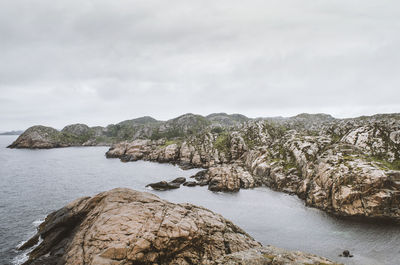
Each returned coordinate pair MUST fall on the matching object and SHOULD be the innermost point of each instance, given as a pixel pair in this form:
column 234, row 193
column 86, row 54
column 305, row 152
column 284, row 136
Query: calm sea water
column 36, row 182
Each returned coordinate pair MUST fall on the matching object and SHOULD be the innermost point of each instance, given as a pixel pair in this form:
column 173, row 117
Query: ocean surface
column 34, row 183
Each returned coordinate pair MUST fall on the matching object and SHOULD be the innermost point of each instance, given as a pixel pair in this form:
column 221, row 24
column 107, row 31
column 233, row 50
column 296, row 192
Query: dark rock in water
column 201, row 175
column 346, row 254
column 30, row 243
column 163, row 185
column 190, row 183
column 186, row 166
column 203, row 183
column 180, row 180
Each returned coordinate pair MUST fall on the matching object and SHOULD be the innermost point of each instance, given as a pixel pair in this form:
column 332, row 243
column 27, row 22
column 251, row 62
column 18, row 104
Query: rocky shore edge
column 123, row 226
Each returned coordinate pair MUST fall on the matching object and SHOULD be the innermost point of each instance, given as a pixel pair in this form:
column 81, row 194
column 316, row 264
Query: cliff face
column 123, row 226
column 346, row 167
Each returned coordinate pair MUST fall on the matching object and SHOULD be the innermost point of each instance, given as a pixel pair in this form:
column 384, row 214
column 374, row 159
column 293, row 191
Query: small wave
column 37, row 222
column 20, row 259
column 23, row 256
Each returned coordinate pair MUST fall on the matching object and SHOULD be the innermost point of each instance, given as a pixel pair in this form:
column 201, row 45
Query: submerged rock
column 346, row 254
column 179, row 180
column 163, row 185
column 124, row 226
column 190, row 183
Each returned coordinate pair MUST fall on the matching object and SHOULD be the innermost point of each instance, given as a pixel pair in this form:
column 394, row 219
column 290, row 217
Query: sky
column 100, row 62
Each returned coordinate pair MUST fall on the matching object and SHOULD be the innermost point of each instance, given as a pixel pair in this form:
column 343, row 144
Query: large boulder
column 229, row 178
column 124, row 226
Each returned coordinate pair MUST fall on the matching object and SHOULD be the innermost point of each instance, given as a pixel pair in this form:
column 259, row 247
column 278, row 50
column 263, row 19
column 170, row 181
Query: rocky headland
column 346, row 167
column 124, row 226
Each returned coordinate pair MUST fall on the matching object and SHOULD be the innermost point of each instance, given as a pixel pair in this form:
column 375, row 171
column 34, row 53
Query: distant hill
column 12, row 133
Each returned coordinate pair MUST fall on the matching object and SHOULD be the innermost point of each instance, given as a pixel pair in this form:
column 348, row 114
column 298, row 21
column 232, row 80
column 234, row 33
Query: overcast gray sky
column 100, row 62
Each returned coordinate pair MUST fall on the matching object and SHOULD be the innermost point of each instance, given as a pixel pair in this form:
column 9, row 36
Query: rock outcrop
column 40, row 137
column 123, row 226
column 228, row 178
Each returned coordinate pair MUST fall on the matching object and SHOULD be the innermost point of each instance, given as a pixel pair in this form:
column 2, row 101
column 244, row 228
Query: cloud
column 100, row 62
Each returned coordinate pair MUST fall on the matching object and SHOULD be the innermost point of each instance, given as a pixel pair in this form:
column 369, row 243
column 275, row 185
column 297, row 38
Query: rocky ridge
column 123, row 226
column 139, row 128
column 345, row 167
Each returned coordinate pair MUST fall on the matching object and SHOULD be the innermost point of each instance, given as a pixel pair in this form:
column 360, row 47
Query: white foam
column 23, row 257
column 37, row 222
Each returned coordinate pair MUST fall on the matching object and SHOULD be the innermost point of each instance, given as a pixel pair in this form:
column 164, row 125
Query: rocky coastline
column 123, row 226
column 347, row 167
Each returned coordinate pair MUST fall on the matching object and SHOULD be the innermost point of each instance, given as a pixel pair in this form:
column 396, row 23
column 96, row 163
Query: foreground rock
column 123, row 226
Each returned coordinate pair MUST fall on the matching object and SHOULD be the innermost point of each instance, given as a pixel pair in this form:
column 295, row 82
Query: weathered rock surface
column 123, row 226
column 228, row 178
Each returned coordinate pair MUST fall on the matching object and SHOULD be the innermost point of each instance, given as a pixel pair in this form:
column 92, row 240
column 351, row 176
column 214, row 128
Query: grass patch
column 395, row 165
column 269, row 256
column 223, row 143
column 169, row 142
